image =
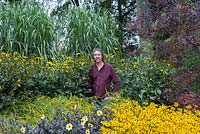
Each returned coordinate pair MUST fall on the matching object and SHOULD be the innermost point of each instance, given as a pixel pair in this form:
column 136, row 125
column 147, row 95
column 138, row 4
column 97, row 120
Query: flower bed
column 115, row 117
column 131, row 118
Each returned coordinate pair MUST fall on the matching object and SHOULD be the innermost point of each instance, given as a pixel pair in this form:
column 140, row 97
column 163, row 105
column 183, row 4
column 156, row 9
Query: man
column 101, row 76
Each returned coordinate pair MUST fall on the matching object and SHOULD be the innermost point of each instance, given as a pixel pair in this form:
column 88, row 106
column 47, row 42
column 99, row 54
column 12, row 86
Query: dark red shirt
column 100, row 81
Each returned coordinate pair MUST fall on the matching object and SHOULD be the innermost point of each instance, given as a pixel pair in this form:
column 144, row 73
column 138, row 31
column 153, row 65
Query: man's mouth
column 97, row 59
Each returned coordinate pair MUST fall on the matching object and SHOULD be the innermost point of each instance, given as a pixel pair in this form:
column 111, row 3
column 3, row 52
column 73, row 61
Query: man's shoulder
column 108, row 64
column 93, row 65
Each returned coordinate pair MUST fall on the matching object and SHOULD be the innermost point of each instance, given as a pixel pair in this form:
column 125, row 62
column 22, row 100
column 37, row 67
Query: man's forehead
column 97, row 52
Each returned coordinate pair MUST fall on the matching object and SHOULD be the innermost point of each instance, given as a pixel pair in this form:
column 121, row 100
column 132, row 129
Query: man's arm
column 90, row 81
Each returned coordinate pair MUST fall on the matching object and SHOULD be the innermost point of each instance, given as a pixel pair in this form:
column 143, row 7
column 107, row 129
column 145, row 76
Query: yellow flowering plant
column 129, row 117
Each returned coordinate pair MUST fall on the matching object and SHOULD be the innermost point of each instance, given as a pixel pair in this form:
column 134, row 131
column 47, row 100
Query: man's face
column 97, row 56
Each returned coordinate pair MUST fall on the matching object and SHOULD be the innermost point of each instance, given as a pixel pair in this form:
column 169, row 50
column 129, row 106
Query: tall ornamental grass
column 26, row 28
column 82, row 30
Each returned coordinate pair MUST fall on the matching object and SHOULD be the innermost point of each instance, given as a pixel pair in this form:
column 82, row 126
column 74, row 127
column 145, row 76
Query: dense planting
column 34, row 76
column 116, row 116
column 44, row 63
column 172, row 27
column 131, row 118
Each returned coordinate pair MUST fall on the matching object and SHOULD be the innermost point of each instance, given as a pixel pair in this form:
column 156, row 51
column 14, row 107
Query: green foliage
column 26, row 28
column 82, row 30
column 144, row 80
column 173, row 28
column 32, row 77
column 191, row 58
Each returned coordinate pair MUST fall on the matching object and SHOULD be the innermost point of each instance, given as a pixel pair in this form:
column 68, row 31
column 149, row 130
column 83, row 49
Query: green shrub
column 32, row 77
column 144, row 80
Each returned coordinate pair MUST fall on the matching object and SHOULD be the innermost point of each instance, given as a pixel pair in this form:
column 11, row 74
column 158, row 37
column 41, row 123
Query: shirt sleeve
column 115, row 80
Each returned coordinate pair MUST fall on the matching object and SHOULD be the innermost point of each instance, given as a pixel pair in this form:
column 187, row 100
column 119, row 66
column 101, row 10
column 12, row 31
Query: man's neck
column 99, row 65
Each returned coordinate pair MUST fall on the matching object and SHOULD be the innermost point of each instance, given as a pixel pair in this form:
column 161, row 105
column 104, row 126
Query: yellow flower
column 99, row 112
column 78, row 54
column 168, row 65
column 41, row 58
column 164, row 72
column 129, row 117
column 176, row 104
column 69, row 126
column 19, row 83
column 87, row 131
column 145, row 103
column 122, row 60
column 82, row 63
column 23, row 130
column 116, row 48
column 75, row 107
column 50, row 63
column 84, row 119
column 69, row 59
column 42, row 117
column 83, row 124
column 189, row 107
column 90, row 125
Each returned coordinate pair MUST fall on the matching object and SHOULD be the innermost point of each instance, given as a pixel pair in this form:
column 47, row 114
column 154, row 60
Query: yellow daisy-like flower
column 176, row 104
column 83, row 124
column 41, row 58
column 116, row 48
column 42, row 117
column 23, row 130
column 78, row 54
column 189, row 107
column 99, row 112
column 69, row 126
column 90, row 125
column 19, row 83
column 122, row 60
column 75, row 107
column 87, row 131
column 50, row 63
column 84, row 119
